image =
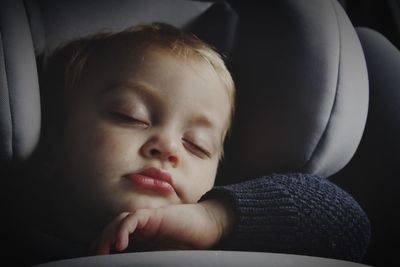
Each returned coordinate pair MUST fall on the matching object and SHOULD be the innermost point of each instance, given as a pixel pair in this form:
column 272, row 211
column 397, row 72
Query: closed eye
column 196, row 149
column 129, row 120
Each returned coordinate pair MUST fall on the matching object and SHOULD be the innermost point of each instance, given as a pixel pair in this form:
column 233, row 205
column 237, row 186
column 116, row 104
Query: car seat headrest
column 298, row 65
column 56, row 22
column 302, row 89
column 19, row 88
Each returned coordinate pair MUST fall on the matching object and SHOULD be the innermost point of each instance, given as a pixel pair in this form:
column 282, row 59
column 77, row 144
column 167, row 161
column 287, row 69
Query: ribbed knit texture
column 298, row 214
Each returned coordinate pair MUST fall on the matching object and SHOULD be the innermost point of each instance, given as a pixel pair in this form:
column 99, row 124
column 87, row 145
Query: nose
column 162, row 147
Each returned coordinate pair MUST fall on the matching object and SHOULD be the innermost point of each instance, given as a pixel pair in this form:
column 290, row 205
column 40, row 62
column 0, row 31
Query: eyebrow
column 143, row 89
column 202, row 120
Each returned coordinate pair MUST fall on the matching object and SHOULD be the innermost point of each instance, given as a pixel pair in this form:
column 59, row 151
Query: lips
column 152, row 179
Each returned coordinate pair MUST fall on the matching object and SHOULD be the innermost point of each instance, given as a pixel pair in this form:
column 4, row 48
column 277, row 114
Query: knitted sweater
column 292, row 213
column 297, row 214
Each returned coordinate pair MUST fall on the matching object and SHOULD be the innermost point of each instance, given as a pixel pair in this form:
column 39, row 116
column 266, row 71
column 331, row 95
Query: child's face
column 132, row 114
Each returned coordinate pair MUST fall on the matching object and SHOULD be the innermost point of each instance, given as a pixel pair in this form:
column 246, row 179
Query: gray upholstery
column 203, row 258
column 374, row 169
column 302, row 90
column 56, row 22
column 19, row 90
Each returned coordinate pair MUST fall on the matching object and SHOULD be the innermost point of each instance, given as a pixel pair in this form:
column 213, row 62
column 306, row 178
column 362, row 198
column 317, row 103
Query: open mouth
column 152, row 179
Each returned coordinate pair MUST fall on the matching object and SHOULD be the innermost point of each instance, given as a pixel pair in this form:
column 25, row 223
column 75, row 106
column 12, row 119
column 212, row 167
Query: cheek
column 104, row 149
column 203, row 178
column 112, row 150
column 105, row 144
column 99, row 153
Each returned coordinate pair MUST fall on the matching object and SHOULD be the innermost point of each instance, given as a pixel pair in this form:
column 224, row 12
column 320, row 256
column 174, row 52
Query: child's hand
column 185, row 226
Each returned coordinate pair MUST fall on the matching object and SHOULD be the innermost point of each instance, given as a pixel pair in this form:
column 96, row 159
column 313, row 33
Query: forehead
column 188, row 83
column 160, row 67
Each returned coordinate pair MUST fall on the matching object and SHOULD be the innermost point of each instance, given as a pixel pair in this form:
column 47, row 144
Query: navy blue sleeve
column 296, row 214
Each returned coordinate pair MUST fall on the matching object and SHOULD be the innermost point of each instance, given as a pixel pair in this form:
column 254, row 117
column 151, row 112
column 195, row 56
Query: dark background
column 380, row 15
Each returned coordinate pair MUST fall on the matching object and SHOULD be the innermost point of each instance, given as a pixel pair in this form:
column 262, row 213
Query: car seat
column 302, row 84
column 374, row 167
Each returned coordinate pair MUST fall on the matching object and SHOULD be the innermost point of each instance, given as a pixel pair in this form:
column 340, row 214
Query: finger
column 126, row 228
column 108, row 236
column 129, row 225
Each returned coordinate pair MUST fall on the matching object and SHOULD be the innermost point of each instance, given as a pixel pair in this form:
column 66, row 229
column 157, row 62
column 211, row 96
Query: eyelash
column 198, row 148
column 129, row 119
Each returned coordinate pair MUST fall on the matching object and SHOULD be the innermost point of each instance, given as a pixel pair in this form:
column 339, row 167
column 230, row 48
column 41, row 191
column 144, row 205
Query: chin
column 145, row 200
